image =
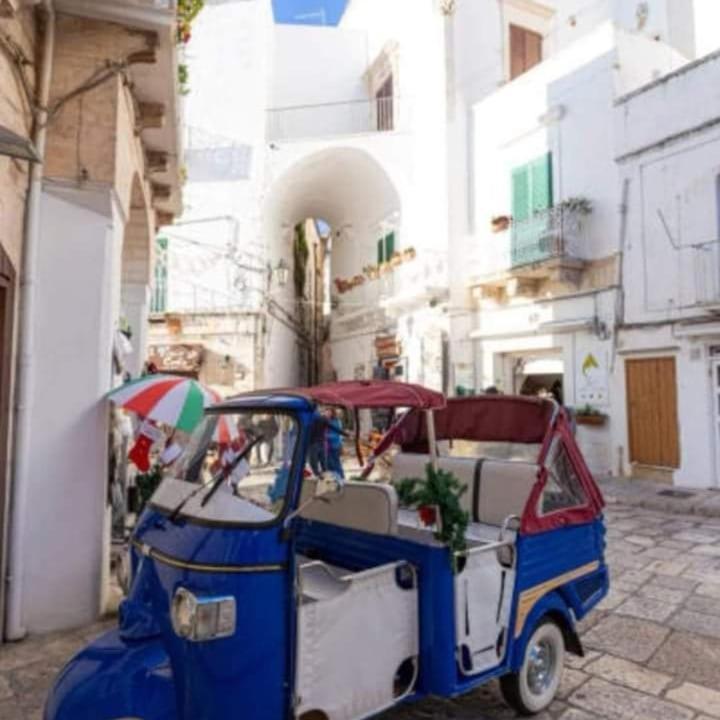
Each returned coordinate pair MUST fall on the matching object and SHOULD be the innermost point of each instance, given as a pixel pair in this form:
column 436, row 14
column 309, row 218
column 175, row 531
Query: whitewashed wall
column 68, row 461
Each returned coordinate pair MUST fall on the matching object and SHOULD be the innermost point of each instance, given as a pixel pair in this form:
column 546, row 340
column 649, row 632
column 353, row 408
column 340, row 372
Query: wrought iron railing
column 557, row 232
column 354, row 117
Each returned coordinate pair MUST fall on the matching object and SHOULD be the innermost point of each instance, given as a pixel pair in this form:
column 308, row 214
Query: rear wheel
column 533, row 688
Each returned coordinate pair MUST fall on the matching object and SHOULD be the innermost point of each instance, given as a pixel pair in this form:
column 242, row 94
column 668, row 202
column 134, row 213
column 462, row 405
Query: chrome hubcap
column 540, row 667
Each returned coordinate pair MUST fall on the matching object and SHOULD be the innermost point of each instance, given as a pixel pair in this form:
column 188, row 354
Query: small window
column 563, row 488
column 525, row 50
column 385, row 248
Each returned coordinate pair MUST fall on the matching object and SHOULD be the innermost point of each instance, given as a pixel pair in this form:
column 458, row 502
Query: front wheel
column 533, row 688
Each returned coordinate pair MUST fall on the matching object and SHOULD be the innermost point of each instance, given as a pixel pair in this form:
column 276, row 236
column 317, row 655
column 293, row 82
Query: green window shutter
column 381, row 251
column 541, row 183
column 389, row 245
column 520, row 193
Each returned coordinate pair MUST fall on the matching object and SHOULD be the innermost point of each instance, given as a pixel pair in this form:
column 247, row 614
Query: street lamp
column 282, row 273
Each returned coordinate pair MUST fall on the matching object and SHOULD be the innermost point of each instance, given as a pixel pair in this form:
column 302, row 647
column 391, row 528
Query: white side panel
column 344, row 678
column 483, row 596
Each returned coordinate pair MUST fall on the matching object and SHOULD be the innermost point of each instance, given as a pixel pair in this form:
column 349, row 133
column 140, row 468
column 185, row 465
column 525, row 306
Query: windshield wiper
column 215, row 481
column 227, row 471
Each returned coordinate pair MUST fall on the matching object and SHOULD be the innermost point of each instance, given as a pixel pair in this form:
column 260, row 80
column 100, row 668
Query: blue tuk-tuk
column 266, row 590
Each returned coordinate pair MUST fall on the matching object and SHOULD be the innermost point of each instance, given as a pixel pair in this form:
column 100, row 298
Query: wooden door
column 652, row 411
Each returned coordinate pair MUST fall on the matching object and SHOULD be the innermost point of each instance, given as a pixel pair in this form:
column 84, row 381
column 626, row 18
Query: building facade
column 102, row 116
column 667, row 371
column 540, row 209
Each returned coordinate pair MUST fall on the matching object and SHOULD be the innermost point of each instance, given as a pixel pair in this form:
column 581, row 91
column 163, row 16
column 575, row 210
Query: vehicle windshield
column 244, row 457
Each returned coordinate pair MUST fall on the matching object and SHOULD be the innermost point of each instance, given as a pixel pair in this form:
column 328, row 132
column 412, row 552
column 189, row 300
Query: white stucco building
column 539, row 210
column 666, row 386
column 355, row 124
column 481, row 225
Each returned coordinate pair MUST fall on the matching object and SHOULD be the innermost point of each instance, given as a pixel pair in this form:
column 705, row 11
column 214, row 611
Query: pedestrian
column 334, row 436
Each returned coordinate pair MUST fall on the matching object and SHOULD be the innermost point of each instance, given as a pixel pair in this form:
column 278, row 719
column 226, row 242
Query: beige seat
column 412, row 465
column 502, row 489
column 365, row 506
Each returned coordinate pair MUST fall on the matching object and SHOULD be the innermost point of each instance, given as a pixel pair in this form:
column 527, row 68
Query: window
column 384, row 100
column 385, row 248
column 532, row 193
column 525, row 50
column 563, row 488
column 235, row 468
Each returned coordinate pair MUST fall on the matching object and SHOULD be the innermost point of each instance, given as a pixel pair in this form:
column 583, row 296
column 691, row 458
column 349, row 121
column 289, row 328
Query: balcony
column 354, row 117
column 547, row 247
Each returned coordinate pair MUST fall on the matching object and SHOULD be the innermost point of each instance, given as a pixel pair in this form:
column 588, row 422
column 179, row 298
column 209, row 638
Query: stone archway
column 135, row 274
column 354, row 194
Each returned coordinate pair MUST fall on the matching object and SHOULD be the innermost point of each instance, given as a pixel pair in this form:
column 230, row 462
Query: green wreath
column 440, row 489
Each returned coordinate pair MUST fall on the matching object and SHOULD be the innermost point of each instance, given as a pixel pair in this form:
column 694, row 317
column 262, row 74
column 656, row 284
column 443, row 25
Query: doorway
column 651, row 389
column 7, row 286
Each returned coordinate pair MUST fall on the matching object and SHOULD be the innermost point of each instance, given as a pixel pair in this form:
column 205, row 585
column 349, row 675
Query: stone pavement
column 653, row 646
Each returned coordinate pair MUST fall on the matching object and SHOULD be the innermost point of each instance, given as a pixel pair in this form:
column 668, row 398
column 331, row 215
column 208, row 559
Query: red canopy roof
column 494, row 418
column 373, row 394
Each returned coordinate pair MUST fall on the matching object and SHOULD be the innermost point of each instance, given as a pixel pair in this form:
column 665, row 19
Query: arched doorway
column 345, row 207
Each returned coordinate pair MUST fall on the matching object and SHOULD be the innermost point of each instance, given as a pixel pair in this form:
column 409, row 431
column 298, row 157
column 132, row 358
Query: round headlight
column 184, row 606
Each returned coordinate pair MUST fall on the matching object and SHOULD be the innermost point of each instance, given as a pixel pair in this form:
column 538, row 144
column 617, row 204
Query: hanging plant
column 183, row 79
column 187, row 11
column 437, row 499
column 301, row 253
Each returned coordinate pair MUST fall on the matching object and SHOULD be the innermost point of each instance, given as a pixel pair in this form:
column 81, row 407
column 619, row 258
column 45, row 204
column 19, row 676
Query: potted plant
column 577, row 204
column 500, row 223
column 437, row 501
column 589, row 415
column 371, row 271
column 409, row 254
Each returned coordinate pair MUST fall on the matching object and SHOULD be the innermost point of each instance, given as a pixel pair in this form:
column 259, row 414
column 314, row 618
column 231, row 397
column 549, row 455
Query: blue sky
column 312, row 12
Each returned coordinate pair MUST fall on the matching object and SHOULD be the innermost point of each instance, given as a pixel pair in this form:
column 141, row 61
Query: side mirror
column 328, row 486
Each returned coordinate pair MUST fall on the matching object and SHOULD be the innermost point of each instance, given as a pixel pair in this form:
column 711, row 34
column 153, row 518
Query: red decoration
column 140, row 452
column 428, row 514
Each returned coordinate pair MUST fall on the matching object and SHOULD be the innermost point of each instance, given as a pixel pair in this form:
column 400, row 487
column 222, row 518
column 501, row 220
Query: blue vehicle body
column 144, row 670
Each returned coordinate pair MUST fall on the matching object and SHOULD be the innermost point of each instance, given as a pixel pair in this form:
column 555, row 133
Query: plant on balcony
column 409, row 254
column 500, row 223
column 589, row 415
column 579, row 205
column 384, row 268
column 358, row 280
column 396, row 259
column 187, row 11
column 371, row 271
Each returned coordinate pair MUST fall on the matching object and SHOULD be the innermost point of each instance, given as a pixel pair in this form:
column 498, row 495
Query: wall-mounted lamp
column 281, row 273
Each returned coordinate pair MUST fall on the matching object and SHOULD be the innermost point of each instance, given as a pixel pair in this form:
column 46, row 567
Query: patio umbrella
column 176, row 401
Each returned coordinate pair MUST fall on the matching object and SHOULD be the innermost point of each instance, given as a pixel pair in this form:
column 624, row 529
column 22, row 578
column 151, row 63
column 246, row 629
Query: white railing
column 338, row 118
column 549, row 234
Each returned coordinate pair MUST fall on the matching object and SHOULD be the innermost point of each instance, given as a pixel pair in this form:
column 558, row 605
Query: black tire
column 533, row 687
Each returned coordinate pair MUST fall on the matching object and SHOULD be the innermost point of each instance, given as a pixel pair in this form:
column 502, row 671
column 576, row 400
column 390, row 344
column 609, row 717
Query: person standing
column 334, row 436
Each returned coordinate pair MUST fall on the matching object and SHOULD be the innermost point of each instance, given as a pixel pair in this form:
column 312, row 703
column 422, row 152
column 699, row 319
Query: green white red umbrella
column 176, row 401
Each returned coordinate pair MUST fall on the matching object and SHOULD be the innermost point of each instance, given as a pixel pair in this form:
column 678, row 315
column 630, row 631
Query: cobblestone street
column 652, row 649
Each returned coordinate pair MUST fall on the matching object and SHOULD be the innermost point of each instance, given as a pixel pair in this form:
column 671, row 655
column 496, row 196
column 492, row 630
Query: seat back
column 369, row 507
column 502, row 489
column 465, row 469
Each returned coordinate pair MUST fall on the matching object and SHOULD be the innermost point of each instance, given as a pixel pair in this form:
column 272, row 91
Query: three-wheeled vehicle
column 262, row 591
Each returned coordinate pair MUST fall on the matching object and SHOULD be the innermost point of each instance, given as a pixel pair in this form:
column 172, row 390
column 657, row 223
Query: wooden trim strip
column 529, row 598
column 161, row 557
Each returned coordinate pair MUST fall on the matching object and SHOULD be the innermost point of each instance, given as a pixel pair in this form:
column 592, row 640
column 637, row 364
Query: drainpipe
column 14, row 629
